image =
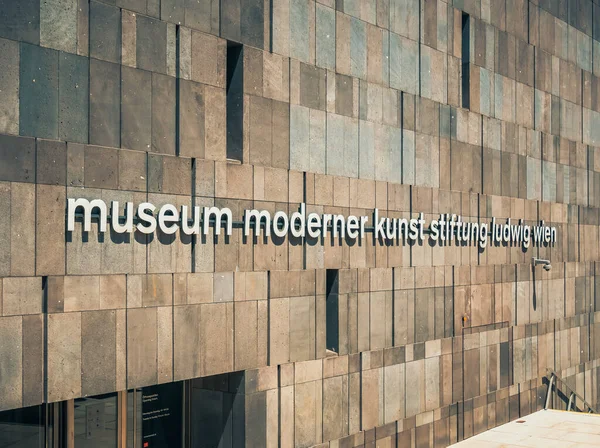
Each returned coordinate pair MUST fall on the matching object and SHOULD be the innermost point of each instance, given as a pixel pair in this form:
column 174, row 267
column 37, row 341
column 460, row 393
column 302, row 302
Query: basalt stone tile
column 11, row 382
column 73, row 98
column 203, row 15
column 58, row 25
column 51, row 162
column 22, row 229
column 33, row 359
column 358, row 48
column 192, row 119
column 132, row 171
column 404, row 18
column 38, row 91
column 17, row 156
column 64, row 356
column 171, row 175
column 325, row 37
column 98, row 352
column 20, row 20
column 173, row 11
column 101, row 167
column 9, row 87
column 22, row 295
column 312, row 87
column 142, row 347
column 151, row 44
column 344, row 95
column 105, row 32
column 50, row 230
column 209, row 59
column 136, row 109
column 105, row 110
column 404, row 64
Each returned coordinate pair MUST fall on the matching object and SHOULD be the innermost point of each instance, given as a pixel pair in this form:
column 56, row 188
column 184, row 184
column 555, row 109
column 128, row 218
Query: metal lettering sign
column 147, row 219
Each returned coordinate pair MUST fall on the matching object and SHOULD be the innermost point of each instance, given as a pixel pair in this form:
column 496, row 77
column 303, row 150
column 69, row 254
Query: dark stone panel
column 203, row 15
column 252, row 22
column 51, row 162
column 170, row 175
column 17, row 159
column 136, row 109
column 73, row 98
column 230, row 20
column 38, row 92
column 172, row 11
column 344, row 103
column 133, row 5
column 312, row 87
column 163, row 114
column 105, row 32
column 101, row 167
column 20, row 20
column 105, row 117
column 256, row 419
column 191, row 118
column 151, row 44
column 580, row 15
column 33, row 359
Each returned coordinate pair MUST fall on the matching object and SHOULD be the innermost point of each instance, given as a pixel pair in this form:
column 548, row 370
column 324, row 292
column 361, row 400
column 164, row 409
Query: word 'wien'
column 198, row 220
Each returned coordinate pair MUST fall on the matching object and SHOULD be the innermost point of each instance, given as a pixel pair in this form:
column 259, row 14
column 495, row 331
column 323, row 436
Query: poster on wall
column 162, row 421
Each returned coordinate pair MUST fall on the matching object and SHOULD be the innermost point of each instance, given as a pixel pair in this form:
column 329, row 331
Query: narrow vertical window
column 332, row 311
column 466, row 53
column 235, row 100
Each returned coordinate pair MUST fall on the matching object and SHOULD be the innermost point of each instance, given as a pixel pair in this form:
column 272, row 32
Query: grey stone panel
column 38, row 92
column 101, row 167
column 9, row 87
column 151, row 43
column 11, row 352
column 105, row 32
column 142, row 356
column 325, row 37
column 58, row 25
column 51, row 162
column 105, row 110
column 20, row 20
column 243, row 21
column 171, row 175
column 163, row 114
column 203, row 15
column 50, row 230
column 98, row 352
column 73, row 97
column 173, row 11
column 136, row 109
column 64, row 356
column 33, row 360
column 18, row 159
column 192, row 118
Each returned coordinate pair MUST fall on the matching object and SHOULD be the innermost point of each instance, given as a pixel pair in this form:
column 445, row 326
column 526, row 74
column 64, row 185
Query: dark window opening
column 466, row 53
column 235, row 101
column 332, row 311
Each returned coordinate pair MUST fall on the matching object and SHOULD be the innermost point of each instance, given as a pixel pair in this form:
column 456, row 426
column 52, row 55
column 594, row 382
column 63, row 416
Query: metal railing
column 564, row 394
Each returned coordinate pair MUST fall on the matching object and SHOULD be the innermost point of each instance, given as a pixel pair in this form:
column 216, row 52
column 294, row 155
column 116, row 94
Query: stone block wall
column 479, row 108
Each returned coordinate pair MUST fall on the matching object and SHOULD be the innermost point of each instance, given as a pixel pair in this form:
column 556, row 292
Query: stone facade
column 478, row 107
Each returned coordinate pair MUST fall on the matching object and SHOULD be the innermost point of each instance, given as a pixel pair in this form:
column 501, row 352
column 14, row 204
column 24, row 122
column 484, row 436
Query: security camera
column 546, row 263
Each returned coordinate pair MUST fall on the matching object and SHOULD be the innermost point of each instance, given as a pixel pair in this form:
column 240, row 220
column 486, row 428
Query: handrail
column 553, row 376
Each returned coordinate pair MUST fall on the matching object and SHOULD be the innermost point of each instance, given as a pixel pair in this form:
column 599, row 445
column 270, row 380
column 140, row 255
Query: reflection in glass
column 22, row 428
column 96, row 421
